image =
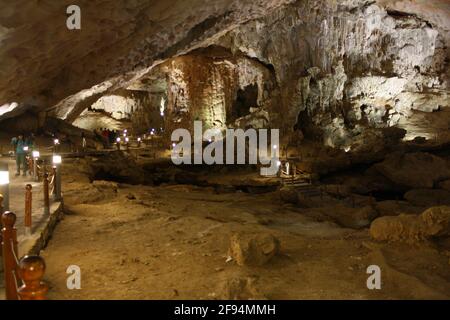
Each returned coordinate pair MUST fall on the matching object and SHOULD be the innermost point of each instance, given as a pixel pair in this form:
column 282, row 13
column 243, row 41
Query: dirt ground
column 172, row 242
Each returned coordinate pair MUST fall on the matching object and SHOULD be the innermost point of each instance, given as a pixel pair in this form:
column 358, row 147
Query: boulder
column 105, row 185
column 394, row 208
column 355, row 218
column 428, row 197
column 337, row 189
column 253, row 249
column 288, row 195
column 241, row 288
column 434, row 222
column 414, row 170
column 437, row 221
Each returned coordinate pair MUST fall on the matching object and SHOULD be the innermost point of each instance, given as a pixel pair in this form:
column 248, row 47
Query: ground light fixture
column 4, row 184
column 36, row 154
column 57, row 160
column 118, row 140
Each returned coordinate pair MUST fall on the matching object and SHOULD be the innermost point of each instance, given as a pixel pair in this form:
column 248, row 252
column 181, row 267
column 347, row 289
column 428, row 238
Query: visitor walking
column 20, row 152
column 30, row 141
column 83, row 142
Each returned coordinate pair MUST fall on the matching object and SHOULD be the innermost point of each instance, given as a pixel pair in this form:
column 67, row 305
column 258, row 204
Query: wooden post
column 9, row 247
column 31, row 270
column 30, row 165
column 28, row 209
column 46, row 195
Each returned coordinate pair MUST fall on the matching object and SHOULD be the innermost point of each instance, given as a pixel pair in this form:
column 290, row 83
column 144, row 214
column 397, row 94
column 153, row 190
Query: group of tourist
column 107, row 136
column 23, row 146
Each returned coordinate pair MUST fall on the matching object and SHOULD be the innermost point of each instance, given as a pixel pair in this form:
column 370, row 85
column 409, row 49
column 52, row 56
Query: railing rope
column 28, row 209
column 52, row 182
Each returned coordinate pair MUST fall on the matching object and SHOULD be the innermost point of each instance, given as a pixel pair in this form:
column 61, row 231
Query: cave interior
column 357, row 91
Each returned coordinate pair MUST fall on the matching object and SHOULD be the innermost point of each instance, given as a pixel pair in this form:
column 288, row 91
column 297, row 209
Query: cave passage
column 225, row 150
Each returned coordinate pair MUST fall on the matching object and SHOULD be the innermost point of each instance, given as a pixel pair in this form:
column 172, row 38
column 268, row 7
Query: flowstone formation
column 344, row 67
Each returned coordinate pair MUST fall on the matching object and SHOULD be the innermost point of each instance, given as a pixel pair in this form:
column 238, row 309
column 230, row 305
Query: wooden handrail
column 30, row 165
column 9, row 249
column 29, row 269
column 28, row 208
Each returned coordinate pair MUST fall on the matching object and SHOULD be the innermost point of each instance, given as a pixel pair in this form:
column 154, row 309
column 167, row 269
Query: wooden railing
column 22, row 277
column 289, row 171
column 28, row 208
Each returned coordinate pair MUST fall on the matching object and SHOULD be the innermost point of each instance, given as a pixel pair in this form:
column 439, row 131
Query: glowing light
column 127, row 139
column 4, row 177
column 347, row 149
column 57, row 159
column 36, row 154
column 56, row 141
column 139, row 139
column 118, row 140
column 25, row 148
column 275, row 146
column 174, row 145
column 278, row 163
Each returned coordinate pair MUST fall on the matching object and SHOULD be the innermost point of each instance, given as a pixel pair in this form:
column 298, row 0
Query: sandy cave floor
column 171, row 242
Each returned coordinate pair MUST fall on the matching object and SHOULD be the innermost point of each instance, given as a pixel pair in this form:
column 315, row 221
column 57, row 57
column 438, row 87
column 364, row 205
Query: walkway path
column 17, row 199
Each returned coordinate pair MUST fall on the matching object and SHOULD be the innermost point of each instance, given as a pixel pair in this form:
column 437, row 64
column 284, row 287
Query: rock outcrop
column 434, row 222
column 414, row 170
column 253, row 249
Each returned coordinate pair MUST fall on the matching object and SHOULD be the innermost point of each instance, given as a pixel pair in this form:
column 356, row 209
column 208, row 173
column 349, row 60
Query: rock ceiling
column 42, row 62
column 326, row 54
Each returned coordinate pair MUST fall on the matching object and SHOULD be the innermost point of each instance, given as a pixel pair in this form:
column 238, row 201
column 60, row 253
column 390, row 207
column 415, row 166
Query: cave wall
column 206, row 85
column 136, row 110
column 336, row 68
column 346, row 66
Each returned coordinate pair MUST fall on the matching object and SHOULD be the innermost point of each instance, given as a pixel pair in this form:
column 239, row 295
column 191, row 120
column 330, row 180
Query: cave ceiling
column 51, row 68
